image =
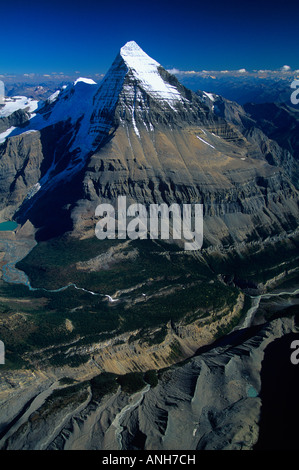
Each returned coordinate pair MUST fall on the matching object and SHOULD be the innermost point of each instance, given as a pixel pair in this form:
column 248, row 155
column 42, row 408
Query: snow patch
column 85, row 80
column 53, row 97
column 135, row 127
column 17, row 102
column 33, row 191
column 209, row 95
column 5, row 134
column 207, row 143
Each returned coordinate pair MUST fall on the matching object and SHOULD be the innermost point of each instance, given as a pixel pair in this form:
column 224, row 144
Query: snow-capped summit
column 133, row 79
column 131, row 48
column 135, row 57
column 145, row 70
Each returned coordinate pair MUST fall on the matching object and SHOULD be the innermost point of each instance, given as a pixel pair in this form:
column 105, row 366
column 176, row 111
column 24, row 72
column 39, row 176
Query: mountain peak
column 131, row 47
column 146, row 72
column 132, row 54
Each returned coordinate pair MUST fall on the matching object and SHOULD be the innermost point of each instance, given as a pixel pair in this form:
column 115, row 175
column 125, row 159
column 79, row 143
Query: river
column 15, row 251
column 136, row 400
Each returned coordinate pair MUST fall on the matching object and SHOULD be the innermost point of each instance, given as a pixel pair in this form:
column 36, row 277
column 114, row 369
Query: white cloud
column 185, row 72
column 174, row 71
column 285, row 68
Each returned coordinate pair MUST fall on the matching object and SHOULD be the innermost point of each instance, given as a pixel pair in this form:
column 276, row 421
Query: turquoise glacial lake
column 8, row 226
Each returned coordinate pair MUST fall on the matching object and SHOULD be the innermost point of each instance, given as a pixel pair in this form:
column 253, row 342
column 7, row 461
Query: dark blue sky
column 64, row 36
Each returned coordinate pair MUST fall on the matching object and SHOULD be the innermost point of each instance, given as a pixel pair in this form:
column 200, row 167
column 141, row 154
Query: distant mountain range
column 242, row 86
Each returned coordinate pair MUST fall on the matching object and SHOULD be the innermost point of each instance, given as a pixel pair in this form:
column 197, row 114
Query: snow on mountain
column 145, row 70
column 211, row 96
column 90, row 81
column 5, row 134
column 69, row 103
column 74, row 104
column 94, row 105
column 132, row 78
column 205, row 142
column 17, row 102
column 53, row 97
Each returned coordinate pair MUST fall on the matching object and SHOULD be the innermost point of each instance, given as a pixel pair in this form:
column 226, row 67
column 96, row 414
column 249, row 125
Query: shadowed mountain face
column 140, row 133
column 279, row 122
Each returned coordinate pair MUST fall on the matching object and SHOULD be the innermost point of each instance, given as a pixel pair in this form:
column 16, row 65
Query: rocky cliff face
column 279, row 122
column 16, row 119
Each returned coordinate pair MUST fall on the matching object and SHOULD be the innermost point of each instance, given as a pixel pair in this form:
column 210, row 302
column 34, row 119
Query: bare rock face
column 16, row 119
column 279, row 122
column 21, row 159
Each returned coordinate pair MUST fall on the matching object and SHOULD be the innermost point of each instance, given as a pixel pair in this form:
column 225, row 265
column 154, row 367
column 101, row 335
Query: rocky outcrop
column 21, row 158
column 16, row 119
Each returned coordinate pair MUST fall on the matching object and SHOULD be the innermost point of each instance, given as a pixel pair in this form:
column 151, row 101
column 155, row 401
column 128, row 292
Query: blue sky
column 67, row 36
